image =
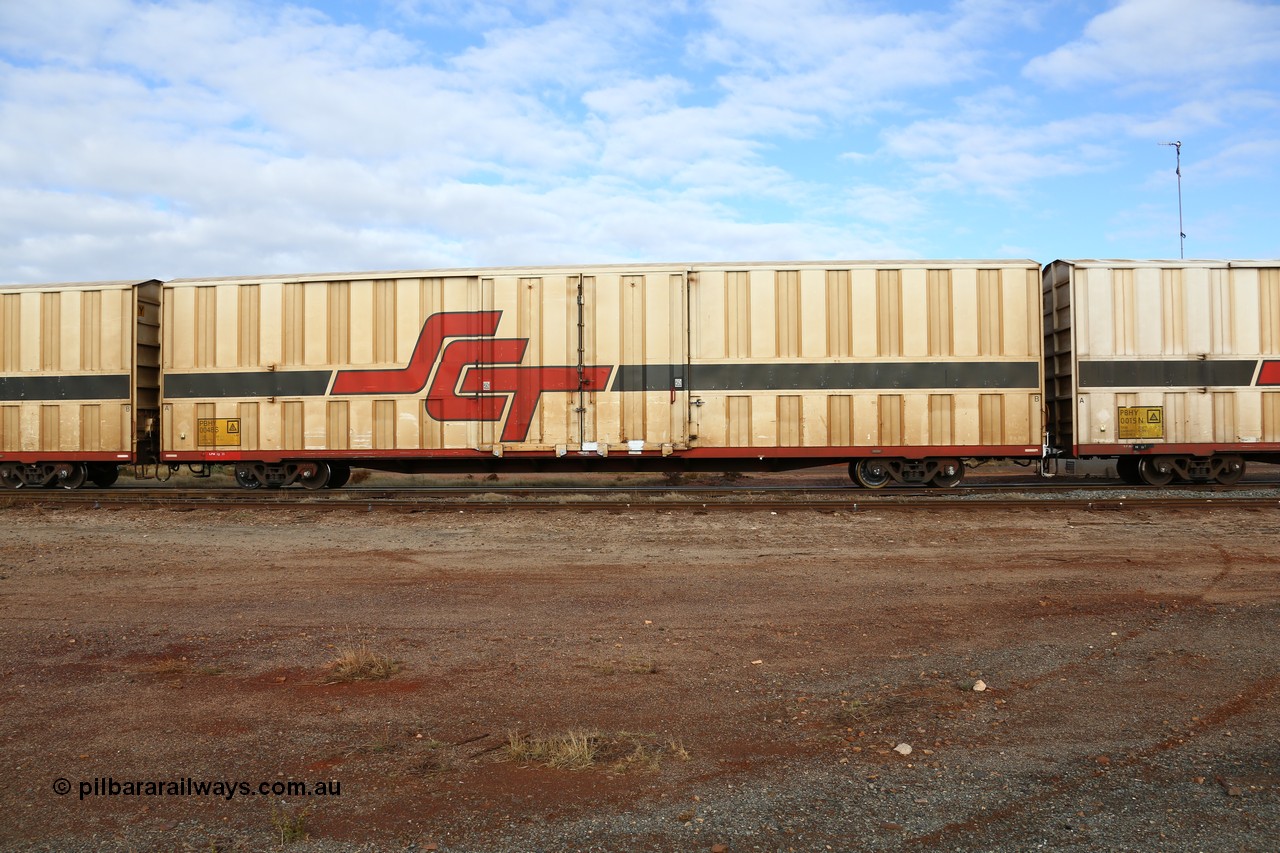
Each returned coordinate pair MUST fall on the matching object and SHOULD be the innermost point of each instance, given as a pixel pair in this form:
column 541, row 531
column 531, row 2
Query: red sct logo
column 473, row 376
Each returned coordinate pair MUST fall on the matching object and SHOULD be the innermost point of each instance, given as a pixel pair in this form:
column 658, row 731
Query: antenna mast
column 1182, row 235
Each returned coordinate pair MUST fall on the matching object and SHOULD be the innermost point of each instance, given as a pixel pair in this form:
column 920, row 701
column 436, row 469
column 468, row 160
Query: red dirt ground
column 766, row 663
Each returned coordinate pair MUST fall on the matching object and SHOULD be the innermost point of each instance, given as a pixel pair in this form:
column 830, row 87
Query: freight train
column 908, row 371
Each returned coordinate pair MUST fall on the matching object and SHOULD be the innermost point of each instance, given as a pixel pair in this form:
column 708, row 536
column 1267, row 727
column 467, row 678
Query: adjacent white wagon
column 1172, row 367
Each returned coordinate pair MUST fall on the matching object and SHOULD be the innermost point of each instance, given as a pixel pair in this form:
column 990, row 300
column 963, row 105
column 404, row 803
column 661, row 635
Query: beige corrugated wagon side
column 904, row 369
column 1170, row 367
column 79, row 381
column 294, row 379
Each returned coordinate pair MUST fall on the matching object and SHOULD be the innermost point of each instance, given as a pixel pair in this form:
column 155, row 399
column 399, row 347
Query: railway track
column 1055, row 495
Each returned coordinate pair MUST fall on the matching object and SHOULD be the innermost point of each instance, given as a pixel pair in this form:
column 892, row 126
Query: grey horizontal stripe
column 93, row 387
column 880, row 375
column 647, row 377
column 258, row 383
column 1166, row 374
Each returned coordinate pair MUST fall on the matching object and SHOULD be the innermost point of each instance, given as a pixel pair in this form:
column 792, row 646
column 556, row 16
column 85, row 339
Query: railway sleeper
column 876, row 473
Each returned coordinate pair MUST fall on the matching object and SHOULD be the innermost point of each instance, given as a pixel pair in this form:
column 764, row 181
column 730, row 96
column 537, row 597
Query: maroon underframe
column 25, row 458
column 966, row 451
column 1138, row 448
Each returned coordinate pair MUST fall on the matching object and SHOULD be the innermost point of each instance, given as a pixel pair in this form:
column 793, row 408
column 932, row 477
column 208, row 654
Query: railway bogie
column 67, row 475
column 876, row 473
column 310, row 474
column 64, row 475
column 1163, row 469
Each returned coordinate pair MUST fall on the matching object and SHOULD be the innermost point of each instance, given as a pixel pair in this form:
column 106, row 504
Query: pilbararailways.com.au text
column 227, row 789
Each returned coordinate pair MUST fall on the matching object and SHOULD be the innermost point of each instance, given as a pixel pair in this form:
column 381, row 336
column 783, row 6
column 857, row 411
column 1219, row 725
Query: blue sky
column 182, row 138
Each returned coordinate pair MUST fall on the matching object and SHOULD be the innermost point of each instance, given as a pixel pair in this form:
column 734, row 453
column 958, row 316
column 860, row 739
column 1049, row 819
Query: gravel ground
column 1128, row 659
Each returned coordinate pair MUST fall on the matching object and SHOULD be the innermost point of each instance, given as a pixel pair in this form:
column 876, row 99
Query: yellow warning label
column 217, row 432
column 1140, row 422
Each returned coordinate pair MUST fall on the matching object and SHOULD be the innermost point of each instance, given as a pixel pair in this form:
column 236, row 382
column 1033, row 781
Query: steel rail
column 578, row 500
column 432, row 492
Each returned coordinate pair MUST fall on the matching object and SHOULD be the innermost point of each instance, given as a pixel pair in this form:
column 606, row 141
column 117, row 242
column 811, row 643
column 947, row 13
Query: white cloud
column 1166, row 44
column 823, row 57
column 1253, row 158
column 223, row 136
column 1001, row 159
column 637, row 97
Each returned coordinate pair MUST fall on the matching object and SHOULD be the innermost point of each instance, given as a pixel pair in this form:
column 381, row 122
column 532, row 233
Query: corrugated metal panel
column 738, row 314
column 790, row 421
column 839, row 314
column 739, row 421
column 889, row 313
column 761, row 334
column 10, row 428
column 1271, row 416
column 942, row 418
column 249, row 426
column 940, row 313
column 840, row 420
column 50, row 427
column 788, row 311
column 293, row 316
column 990, row 316
column 11, row 339
column 924, row 317
column 248, row 311
column 889, row 407
column 206, row 327
column 339, row 424
column 1269, row 315
column 90, row 427
column 292, row 428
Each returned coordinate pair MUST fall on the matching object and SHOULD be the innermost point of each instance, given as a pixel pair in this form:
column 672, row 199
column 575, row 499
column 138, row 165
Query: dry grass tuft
column 574, row 750
column 292, row 827
column 852, row 712
column 360, row 663
column 170, row 666
column 585, row 750
column 644, row 666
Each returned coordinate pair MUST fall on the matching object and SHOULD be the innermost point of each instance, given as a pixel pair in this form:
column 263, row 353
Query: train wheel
column 246, row 478
column 104, row 476
column 339, row 474
column 11, row 476
column 950, row 473
column 1127, row 470
column 313, row 475
column 1155, row 470
column 71, row 476
column 871, row 473
column 1232, row 470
